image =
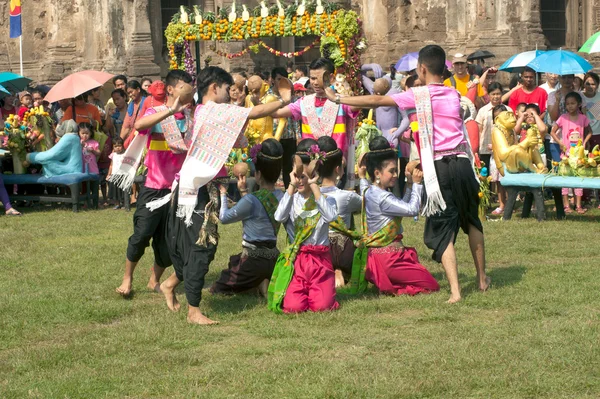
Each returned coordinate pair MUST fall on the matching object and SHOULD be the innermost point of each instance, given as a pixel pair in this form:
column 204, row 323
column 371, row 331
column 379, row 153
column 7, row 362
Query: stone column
column 140, row 51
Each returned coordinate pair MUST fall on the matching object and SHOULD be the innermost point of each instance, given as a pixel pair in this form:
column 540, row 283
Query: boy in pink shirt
column 450, row 182
column 192, row 246
column 163, row 163
column 319, row 115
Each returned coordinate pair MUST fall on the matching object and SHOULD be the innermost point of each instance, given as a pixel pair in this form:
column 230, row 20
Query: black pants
column 460, row 191
column 245, row 271
column 289, row 149
column 190, row 260
column 149, row 225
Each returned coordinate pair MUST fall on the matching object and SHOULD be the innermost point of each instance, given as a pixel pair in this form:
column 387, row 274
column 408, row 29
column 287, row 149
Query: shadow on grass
column 233, row 304
column 344, row 294
column 506, row 276
column 501, row 277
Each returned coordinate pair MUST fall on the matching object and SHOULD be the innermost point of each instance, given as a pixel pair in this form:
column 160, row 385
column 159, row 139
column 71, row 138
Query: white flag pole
column 21, row 52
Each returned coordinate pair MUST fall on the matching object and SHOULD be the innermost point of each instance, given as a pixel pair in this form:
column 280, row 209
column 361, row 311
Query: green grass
column 65, row 333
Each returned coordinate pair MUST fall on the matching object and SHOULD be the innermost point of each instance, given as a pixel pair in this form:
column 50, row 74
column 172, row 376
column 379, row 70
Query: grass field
column 65, row 333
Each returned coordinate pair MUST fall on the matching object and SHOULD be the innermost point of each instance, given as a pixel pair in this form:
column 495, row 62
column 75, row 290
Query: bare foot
column 339, row 279
column 125, row 288
column 156, row 287
column 483, row 286
column 196, row 317
column 263, row 288
column 454, row 299
column 169, row 293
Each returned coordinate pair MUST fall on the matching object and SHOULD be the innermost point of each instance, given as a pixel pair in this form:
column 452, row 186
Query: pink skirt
column 313, row 284
column 396, row 270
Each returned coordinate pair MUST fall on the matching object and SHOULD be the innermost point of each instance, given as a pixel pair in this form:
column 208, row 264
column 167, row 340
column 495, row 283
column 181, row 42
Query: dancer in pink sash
column 446, row 158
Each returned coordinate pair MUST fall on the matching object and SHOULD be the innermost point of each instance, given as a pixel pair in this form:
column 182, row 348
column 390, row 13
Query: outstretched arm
column 262, row 110
column 362, row 101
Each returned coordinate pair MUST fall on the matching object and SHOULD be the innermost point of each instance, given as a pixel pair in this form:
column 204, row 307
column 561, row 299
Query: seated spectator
column 65, row 157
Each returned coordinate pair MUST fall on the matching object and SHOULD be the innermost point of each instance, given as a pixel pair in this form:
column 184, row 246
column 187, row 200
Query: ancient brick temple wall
column 395, row 27
column 62, row 36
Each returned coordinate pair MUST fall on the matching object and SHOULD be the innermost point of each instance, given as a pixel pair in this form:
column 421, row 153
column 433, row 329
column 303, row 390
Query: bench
column 73, row 181
column 535, row 183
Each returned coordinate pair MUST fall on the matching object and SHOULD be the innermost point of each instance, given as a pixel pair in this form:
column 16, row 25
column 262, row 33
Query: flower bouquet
column 484, row 189
column 39, row 123
column 580, row 162
column 16, row 139
column 366, row 132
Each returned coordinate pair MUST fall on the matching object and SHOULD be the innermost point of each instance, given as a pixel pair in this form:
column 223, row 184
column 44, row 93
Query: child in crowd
column 531, row 117
column 90, row 147
column 573, row 125
column 254, row 266
column 348, row 202
column 116, row 157
column 26, row 102
column 303, row 278
column 382, row 258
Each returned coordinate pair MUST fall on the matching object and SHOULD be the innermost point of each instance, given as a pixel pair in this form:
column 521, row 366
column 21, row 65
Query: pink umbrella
column 77, row 84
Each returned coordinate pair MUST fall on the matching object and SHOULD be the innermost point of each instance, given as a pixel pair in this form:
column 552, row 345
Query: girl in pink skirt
column 381, row 258
column 303, row 278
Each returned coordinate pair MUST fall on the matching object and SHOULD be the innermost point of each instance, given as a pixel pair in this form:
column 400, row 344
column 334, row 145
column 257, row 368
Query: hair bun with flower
column 316, row 154
column 256, row 150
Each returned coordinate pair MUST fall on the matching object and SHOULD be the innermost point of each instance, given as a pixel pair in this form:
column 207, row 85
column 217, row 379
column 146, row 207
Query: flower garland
column 290, row 54
column 254, row 48
column 340, row 31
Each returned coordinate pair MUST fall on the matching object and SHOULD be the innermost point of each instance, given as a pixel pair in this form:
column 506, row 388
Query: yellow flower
column 480, row 194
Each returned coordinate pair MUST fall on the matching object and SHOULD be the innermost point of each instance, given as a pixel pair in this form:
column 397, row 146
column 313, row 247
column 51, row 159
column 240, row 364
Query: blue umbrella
column 14, row 82
column 560, row 62
column 4, row 92
column 518, row 62
column 408, row 62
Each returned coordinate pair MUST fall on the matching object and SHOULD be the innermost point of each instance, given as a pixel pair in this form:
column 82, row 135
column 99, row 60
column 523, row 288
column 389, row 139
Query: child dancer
column 90, row 148
column 116, row 158
column 303, row 278
column 348, row 202
column 573, row 125
column 254, row 266
column 392, row 267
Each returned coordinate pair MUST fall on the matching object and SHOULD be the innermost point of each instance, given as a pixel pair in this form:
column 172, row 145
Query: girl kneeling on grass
column 381, row 258
column 254, row 266
column 303, row 278
column 348, row 202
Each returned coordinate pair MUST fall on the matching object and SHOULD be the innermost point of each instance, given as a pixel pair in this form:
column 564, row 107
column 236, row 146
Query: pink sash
column 320, row 126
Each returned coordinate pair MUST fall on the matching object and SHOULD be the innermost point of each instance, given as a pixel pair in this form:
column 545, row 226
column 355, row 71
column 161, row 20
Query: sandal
column 13, row 212
column 568, row 209
column 581, row 211
column 498, row 211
